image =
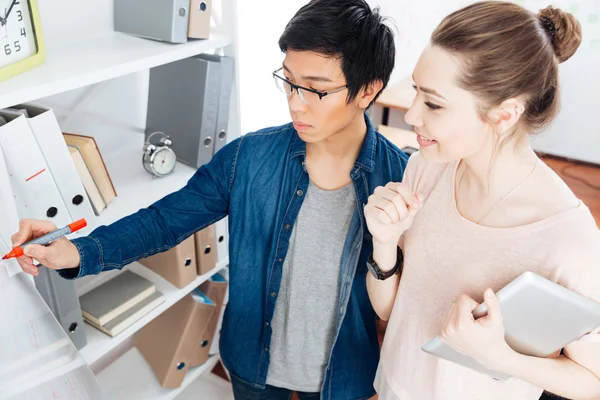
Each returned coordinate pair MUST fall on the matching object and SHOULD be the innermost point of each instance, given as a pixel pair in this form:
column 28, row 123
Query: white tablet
column 540, row 318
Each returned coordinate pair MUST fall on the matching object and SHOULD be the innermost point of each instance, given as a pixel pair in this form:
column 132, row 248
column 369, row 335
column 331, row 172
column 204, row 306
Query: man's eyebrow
column 310, row 77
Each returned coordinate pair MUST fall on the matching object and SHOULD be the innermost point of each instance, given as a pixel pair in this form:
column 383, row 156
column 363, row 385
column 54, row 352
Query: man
column 299, row 317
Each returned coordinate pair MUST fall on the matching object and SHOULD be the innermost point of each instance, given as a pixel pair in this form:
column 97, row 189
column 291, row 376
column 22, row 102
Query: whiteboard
column 38, row 361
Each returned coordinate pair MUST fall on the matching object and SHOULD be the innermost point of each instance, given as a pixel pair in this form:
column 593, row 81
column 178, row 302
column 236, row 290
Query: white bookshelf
column 130, row 377
column 92, row 59
column 82, row 51
column 135, row 187
column 99, row 344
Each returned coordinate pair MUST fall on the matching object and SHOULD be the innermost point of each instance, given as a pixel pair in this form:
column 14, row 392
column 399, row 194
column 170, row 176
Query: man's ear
column 507, row 114
column 368, row 93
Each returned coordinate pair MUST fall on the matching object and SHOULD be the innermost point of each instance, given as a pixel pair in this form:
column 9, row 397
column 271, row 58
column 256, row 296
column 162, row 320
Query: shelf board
column 130, row 377
column 100, row 344
column 135, row 187
column 93, row 59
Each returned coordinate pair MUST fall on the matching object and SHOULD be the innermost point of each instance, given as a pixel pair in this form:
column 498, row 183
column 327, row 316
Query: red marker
column 48, row 238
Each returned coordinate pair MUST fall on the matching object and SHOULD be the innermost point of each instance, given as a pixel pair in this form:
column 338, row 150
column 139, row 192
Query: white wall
column 576, row 133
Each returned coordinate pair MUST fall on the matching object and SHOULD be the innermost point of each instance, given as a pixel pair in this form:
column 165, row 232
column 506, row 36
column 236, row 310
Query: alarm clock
column 21, row 40
column 159, row 159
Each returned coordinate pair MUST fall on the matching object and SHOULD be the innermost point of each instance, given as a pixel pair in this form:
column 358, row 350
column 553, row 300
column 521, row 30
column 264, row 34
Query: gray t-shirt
column 305, row 313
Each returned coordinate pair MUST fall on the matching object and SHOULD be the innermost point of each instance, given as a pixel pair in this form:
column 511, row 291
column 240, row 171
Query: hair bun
column 563, row 29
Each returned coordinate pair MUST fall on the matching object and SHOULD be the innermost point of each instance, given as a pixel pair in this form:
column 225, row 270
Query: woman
column 477, row 208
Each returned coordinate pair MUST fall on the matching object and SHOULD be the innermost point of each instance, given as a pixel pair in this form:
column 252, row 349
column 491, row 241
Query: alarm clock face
column 164, row 161
column 17, row 34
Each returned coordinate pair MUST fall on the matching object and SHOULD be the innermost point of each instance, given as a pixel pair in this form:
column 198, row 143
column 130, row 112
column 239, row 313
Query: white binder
column 36, row 193
column 49, row 138
column 9, row 220
column 222, row 236
column 37, row 197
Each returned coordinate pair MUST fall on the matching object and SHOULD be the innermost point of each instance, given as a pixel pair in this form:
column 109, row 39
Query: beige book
column 129, row 317
column 114, row 297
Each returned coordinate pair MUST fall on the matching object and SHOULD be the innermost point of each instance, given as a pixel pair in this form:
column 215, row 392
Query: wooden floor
column 584, row 181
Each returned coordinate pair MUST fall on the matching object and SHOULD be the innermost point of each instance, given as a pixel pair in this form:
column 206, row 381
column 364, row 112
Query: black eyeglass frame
column 296, row 87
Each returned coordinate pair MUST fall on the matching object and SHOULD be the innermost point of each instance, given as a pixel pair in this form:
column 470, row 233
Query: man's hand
column 60, row 254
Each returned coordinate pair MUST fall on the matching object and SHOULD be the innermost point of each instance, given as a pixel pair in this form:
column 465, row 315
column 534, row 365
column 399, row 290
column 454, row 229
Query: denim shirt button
column 288, row 226
column 273, row 294
column 280, row 259
column 299, row 192
column 266, row 349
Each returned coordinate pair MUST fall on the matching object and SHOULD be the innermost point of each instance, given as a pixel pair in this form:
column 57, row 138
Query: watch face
column 164, row 161
column 17, row 32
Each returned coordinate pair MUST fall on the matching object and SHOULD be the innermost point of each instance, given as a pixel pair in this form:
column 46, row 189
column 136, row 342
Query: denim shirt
column 259, row 181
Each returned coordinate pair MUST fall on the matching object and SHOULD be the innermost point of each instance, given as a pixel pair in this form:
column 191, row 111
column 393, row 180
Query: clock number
column 17, row 46
column 20, row 15
column 7, row 49
column 23, row 32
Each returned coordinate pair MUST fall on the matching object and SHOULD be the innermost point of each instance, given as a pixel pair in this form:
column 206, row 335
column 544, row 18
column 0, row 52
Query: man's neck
column 344, row 144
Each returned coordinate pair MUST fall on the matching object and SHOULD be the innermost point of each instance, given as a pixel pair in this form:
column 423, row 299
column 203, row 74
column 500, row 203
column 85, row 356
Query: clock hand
column 8, row 12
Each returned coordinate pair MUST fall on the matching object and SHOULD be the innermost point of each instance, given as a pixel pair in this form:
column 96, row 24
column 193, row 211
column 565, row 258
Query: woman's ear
column 367, row 94
column 507, row 114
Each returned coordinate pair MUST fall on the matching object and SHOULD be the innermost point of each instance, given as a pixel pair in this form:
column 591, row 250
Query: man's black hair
column 349, row 30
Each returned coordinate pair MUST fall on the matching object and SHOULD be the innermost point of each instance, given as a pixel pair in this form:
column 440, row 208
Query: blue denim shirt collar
column 366, row 157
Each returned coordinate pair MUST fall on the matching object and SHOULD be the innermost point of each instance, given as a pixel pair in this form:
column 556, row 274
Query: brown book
column 215, row 288
column 206, row 249
column 88, row 148
column 167, row 342
column 177, row 265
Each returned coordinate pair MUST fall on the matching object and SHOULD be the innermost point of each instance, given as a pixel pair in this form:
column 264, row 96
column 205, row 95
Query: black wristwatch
column 376, row 272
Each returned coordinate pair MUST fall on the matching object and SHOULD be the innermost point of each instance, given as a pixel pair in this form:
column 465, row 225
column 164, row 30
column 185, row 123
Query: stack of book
column 120, row 302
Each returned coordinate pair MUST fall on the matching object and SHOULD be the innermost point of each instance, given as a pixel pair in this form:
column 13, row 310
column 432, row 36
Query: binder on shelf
column 61, row 297
column 164, row 20
column 199, row 21
column 9, row 218
column 177, row 265
column 167, row 342
column 37, row 196
column 36, row 193
column 206, row 249
column 222, row 232
column 49, row 137
column 227, row 69
column 215, row 288
column 183, row 103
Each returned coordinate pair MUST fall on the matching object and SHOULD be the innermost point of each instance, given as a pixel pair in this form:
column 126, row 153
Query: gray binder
column 62, row 299
column 226, row 84
column 165, row 20
column 183, row 103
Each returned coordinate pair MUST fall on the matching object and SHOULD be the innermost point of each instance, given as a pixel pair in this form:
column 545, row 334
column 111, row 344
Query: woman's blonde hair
column 506, row 51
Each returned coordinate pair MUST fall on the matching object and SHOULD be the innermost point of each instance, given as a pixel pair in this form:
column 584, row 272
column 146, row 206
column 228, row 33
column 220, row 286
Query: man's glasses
column 310, row 97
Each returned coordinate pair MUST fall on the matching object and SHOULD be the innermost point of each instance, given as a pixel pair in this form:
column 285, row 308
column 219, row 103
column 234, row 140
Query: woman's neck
column 495, row 172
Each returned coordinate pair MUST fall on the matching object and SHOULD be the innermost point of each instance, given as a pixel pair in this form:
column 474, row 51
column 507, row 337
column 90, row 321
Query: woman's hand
column 481, row 339
column 390, row 212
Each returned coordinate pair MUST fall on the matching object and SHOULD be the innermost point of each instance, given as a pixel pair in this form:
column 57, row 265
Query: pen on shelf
column 48, row 238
